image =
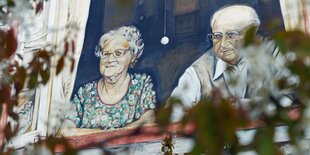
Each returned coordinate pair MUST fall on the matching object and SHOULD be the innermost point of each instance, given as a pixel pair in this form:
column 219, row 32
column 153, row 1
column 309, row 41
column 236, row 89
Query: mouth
column 109, row 66
column 227, row 52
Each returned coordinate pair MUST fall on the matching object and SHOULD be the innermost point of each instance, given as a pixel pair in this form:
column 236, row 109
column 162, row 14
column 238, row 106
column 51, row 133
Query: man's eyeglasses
column 104, row 54
column 234, row 34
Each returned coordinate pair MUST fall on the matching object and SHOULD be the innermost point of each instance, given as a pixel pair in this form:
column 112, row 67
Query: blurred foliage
column 216, row 119
column 15, row 77
column 52, row 143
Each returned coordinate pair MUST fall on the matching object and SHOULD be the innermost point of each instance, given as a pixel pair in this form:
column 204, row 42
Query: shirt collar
column 221, row 66
column 219, row 69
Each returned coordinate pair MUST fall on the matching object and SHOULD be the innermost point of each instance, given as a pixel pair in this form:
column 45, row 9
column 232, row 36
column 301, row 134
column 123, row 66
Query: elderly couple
column 122, row 99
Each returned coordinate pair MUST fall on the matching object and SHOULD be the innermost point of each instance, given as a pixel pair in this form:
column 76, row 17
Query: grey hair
column 133, row 36
column 255, row 20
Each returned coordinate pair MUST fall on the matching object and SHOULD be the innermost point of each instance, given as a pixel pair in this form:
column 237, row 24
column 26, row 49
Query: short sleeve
column 188, row 91
column 75, row 113
column 147, row 98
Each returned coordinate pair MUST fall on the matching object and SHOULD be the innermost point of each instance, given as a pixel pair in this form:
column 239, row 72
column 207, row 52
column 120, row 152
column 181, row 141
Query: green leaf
column 197, row 149
column 60, row 65
column 163, row 113
column 250, row 36
column 11, row 44
column 72, row 65
column 5, row 94
column 45, row 75
column 53, row 142
column 44, row 55
column 10, row 3
column 33, row 80
column 73, row 46
column 39, row 7
column 263, row 141
column 20, row 78
column 296, row 41
column 162, row 116
column 66, row 48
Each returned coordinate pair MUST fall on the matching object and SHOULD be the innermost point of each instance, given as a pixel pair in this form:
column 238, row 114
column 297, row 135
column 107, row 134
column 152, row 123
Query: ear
column 133, row 60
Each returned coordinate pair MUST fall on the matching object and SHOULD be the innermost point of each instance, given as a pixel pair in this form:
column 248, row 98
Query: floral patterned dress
column 88, row 111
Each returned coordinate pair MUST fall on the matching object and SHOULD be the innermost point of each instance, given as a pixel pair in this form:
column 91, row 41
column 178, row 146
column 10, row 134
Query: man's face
column 227, row 48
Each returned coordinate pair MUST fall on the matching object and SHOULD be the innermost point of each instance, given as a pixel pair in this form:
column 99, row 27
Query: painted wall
column 187, row 26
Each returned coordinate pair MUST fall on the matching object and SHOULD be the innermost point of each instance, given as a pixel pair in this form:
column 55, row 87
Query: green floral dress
column 88, row 111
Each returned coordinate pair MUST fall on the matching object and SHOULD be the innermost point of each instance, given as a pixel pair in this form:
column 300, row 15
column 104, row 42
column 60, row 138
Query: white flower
column 124, row 102
column 104, row 118
column 117, row 115
column 152, row 106
column 135, row 81
column 143, row 76
column 96, row 105
column 138, row 76
column 131, row 97
column 143, row 96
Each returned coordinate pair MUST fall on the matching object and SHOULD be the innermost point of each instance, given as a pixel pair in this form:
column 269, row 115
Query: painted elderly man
column 219, row 66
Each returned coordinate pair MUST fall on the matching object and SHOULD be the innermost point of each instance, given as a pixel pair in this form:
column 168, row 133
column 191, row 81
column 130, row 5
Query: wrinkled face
column 116, row 57
column 227, row 48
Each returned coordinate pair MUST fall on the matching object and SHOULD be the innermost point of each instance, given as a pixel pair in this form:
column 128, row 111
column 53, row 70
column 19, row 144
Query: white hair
column 237, row 10
column 132, row 35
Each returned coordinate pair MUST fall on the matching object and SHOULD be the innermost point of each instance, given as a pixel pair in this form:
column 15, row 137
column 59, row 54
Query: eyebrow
column 117, row 49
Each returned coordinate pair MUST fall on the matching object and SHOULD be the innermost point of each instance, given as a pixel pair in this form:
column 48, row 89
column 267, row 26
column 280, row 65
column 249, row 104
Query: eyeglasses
column 234, row 34
column 104, row 54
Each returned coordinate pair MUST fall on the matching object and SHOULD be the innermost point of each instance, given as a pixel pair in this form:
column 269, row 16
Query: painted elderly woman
column 118, row 98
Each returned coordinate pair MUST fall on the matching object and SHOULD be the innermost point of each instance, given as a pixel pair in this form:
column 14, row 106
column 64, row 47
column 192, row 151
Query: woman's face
column 115, row 58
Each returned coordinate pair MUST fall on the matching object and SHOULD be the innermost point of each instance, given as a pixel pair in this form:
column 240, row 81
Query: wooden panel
column 186, row 24
column 185, row 6
column 117, row 13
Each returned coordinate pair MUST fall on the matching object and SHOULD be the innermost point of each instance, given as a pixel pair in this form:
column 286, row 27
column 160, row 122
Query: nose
column 110, row 58
column 225, row 44
column 225, row 41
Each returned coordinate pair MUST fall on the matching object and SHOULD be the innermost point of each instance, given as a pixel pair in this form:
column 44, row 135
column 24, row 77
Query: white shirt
column 189, row 88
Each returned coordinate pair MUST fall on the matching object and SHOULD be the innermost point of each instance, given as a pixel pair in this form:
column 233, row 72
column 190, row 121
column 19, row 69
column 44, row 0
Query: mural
column 183, row 47
column 174, row 34
column 184, row 22
column 133, row 54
